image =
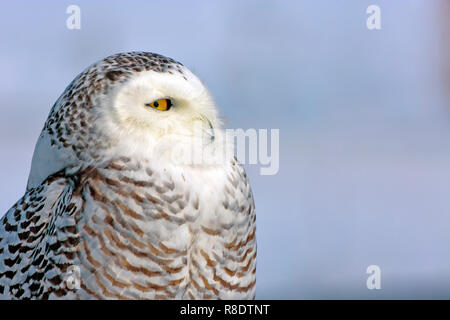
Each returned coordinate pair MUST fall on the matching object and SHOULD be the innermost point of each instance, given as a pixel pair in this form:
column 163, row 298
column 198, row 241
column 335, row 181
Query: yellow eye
column 161, row 104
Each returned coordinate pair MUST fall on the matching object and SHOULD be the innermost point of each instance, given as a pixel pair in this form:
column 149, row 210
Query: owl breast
column 166, row 232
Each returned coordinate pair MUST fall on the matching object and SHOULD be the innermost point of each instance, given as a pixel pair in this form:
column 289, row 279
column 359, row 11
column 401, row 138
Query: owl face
column 162, row 104
column 159, row 110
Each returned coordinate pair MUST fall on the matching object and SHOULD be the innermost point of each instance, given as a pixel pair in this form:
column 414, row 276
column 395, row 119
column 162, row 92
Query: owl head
column 139, row 105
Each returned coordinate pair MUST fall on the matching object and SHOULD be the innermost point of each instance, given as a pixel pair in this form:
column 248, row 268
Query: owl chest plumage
column 170, row 233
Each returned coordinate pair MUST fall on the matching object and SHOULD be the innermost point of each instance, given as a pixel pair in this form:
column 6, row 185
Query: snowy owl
column 117, row 208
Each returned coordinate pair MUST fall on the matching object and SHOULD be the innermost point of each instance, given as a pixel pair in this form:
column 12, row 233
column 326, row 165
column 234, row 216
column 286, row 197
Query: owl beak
column 211, row 131
column 208, row 132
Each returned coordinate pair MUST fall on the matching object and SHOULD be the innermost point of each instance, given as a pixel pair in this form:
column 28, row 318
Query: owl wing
column 241, row 251
column 38, row 240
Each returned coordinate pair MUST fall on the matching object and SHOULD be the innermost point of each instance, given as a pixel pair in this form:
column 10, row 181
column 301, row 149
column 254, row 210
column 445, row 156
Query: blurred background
column 364, row 119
